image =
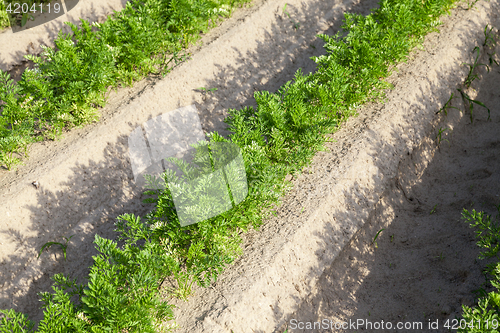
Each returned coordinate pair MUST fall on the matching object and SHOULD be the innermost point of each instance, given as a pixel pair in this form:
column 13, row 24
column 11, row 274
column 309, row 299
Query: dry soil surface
column 315, row 259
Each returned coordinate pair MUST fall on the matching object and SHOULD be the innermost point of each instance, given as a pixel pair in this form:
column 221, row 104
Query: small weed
column 470, row 4
column 296, row 25
column 392, row 238
column 205, row 90
column 284, row 10
column 489, row 39
column 433, row 210
column 471, row 77
column 470, row 103
column 374, row 242
column 63, row 246
column 447, row 106
column 439, row 135
column 491, row 60
column 440, row 256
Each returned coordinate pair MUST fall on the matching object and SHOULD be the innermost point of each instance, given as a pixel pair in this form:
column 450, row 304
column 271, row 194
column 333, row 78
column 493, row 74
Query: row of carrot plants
column 124, row 291
column 69, row 82
column 484, row 316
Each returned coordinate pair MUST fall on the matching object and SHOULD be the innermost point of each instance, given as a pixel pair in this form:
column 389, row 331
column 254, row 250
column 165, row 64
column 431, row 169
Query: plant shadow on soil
column 101, row 191
column 425, row 264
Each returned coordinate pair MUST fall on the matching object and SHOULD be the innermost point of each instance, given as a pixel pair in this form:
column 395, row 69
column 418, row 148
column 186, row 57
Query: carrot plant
column 486, row 313
column 4, row 17
column 277, row 138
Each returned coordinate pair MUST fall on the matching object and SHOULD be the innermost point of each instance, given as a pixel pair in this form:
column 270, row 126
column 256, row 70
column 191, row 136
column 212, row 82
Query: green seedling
column 433, row 210
column 440, row 256
column 439, row 135
column 49, row 244
column 489, row 39
column 470, row 76
column 205, row 90
column 302, row 210
column 392, row 238
column 469, row 102
column 374, row 242
column 284, row 10
column 447, row 106
column 471, row 4
column 491, row 59
column 296, row 25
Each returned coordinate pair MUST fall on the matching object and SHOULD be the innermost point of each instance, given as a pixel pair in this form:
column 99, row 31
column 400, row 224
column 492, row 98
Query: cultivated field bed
column 297, row 262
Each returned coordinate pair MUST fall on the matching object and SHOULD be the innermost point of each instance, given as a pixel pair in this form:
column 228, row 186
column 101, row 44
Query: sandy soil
column 425, row 266
column 86, row 181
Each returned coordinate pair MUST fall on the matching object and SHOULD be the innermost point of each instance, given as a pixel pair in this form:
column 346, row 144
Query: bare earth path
column 86, row 181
